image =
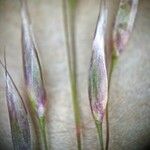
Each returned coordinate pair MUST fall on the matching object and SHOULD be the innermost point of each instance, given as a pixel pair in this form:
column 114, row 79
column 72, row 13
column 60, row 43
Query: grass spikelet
column 19, row 124
column 98, row 84
column 32, row 71
column 124, row 24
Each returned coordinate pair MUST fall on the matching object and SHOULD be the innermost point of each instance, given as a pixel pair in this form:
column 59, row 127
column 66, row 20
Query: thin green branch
column 42, row 129
column 100, row 133
column 71, row 56
column 113, row 62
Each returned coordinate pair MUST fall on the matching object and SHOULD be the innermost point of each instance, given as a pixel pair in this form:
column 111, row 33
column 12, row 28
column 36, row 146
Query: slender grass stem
column 66, row 27
column 76, row 113
column 74, row 80
column 107, row 128
column 100, row 134
column 43, row 138
column 71, row 56
column 113, row 62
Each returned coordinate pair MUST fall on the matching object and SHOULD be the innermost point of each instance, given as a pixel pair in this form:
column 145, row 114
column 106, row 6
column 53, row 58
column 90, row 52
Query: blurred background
column 130, row 87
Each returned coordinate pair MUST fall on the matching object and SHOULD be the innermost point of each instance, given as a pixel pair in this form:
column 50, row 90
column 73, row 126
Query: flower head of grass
column 32, row 68
column 98, row 84
column 19, row 124
column 124, row 24
column 33, row 73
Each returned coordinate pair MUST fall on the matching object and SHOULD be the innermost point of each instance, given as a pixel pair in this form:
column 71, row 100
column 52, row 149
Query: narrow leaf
column 17, row 114
column 124, row 24
column 32, row 67
column 98, row 84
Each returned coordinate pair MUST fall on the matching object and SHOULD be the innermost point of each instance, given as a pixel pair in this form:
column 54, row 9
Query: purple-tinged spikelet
column 20, row 130
column 124, row 24
column 32, row 67
column 98, row 82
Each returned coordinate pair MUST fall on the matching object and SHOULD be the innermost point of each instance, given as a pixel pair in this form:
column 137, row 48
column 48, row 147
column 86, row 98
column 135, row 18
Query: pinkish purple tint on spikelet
column 32, row 67
column 98, row 110
column 98, row 82
column 17, row 114
column 124, row 24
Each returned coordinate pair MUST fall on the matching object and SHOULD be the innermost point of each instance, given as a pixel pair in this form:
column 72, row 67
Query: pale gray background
column 130, row 88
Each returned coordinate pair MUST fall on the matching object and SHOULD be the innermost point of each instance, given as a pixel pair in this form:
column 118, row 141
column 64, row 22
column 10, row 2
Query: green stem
column 107, row 128
column 100, row 133
column 74, row 81
column 71, row 56
column 43, row 138
column 76, row 112
column 114, row 59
